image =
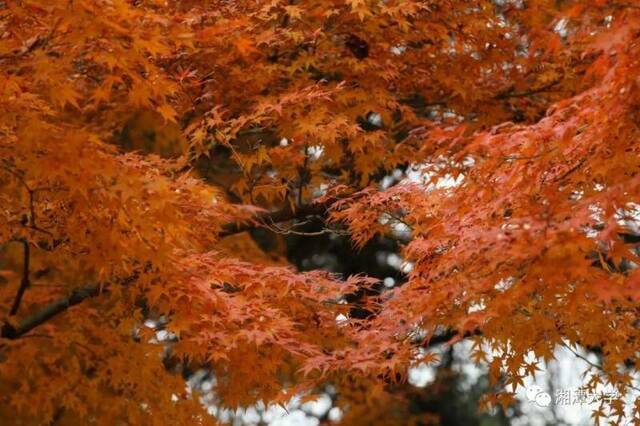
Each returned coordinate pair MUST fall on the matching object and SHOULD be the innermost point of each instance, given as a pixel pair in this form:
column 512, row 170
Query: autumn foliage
column 141, row 140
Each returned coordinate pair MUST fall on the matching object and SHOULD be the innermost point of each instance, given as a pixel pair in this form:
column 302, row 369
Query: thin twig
column 526, row 93
column 303, row 174
column 592, row 364
column 571, row 170
column 25, row 282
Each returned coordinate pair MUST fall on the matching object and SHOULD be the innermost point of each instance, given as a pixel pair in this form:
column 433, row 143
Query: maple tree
column 141, row 140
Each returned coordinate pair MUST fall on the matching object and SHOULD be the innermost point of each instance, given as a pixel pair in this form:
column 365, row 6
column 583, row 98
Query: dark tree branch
column 25, row 282
column 49, row 311
column 513, row 94
column 303, row 174
column 77, row 296
column 270, row 218
column 439, row 339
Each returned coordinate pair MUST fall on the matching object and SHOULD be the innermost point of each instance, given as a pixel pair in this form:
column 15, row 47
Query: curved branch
column 270, row 218
column 513, row 94
column 32, row 321
column 450, row 336
column 77, row 296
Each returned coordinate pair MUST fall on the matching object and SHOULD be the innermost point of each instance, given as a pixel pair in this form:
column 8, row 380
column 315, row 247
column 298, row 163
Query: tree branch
column 284, row 215
column 513, row 94
column 439, row 339
column 77, row 296
column 25, row 282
